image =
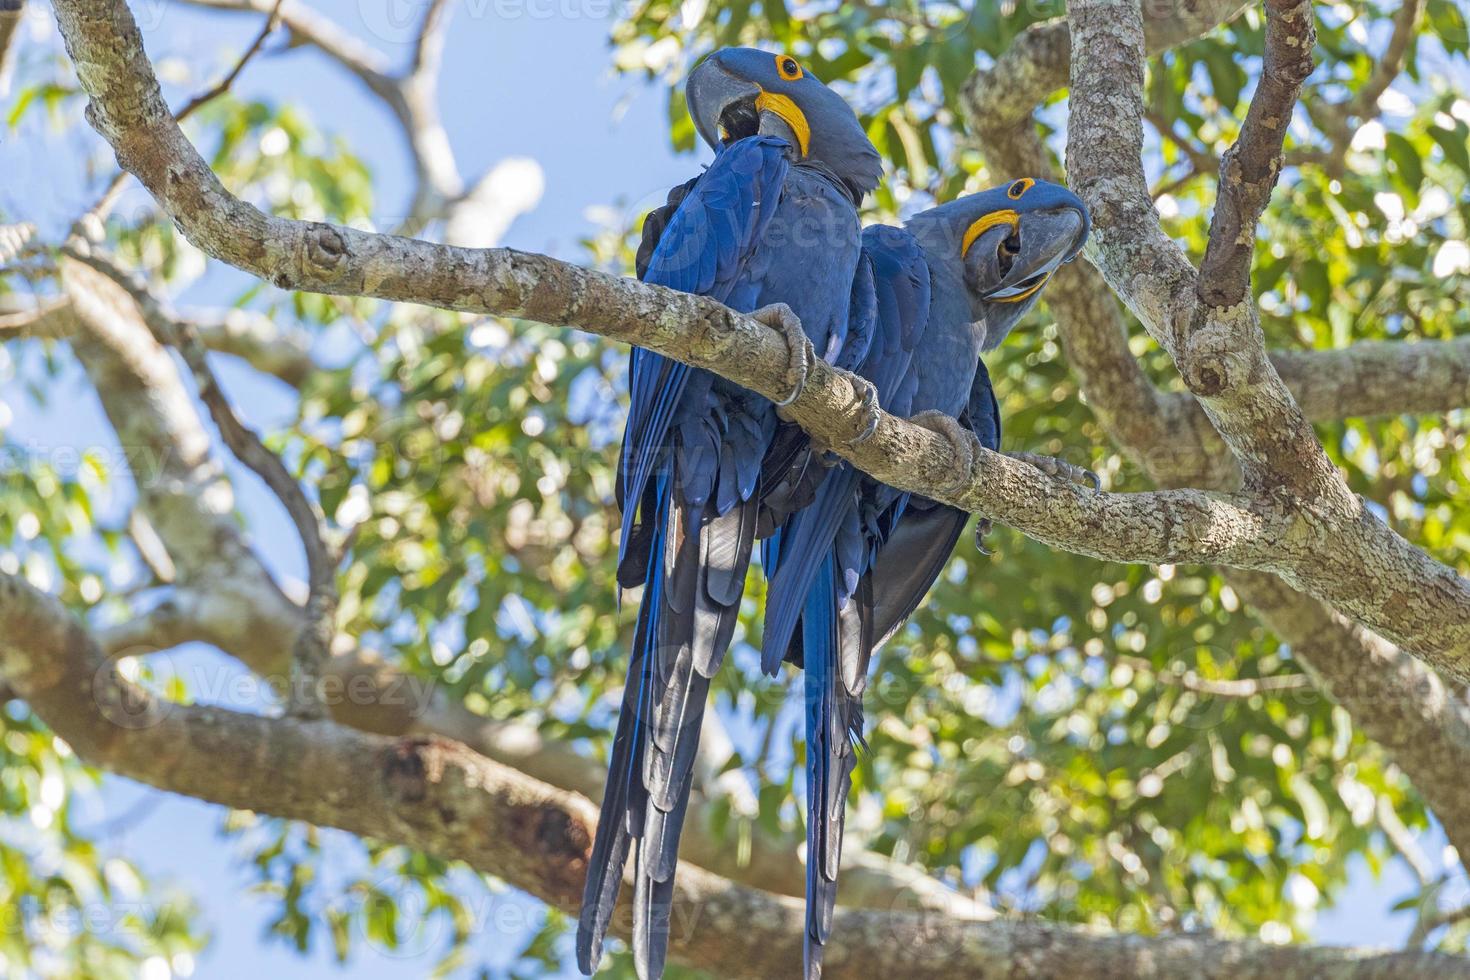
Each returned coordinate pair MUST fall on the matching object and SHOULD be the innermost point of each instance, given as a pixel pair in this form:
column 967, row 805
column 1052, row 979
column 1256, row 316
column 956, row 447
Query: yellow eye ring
column 788, row 68
column 1019, row 187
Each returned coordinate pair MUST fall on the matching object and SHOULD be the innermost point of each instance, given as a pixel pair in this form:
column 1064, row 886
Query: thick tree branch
column 1373, row 378
column 439, row 797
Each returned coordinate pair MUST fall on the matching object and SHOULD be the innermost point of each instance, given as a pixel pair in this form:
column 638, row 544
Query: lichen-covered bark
column 439, row 797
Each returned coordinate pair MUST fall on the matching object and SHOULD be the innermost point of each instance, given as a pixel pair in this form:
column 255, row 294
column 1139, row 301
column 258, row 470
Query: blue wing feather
column 703, row 249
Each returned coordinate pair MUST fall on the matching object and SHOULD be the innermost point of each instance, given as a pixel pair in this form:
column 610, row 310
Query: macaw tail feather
column 834, row 723
column 691, row 602
column 806, row 544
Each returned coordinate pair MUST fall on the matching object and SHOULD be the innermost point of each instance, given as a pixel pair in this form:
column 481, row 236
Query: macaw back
column 753, row 230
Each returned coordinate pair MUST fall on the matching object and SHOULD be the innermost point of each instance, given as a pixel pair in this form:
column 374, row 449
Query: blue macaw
column 770, row 228
column 850, row 566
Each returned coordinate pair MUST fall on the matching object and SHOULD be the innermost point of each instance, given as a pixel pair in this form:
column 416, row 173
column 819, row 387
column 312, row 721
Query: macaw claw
column 1060, row 469
column 800, row 354
column 961, row 438
column 982, row 528
column 869, row 407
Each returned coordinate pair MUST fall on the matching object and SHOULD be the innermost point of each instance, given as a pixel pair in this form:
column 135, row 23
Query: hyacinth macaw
column 770, row 228
column 1019, row 245
column 849, row 567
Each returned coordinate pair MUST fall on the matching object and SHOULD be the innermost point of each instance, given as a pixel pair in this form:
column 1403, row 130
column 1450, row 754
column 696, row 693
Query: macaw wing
column 902, row 287
column 912, row 559
column 717, row 221
column 901, row 294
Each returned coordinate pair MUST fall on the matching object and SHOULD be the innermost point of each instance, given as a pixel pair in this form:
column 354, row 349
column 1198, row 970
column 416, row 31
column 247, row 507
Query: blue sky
column 521, row 78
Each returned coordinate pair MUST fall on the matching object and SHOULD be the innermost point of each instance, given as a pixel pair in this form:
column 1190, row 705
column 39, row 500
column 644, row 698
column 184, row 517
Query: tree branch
column 1250, row 168
column 11, row 12
column 1036, row 63
column 223, row 85
column 438, row 797
column 314, row 639
column 412, row 98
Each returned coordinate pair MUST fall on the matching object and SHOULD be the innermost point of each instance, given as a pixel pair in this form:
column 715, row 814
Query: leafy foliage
column 1034, row 738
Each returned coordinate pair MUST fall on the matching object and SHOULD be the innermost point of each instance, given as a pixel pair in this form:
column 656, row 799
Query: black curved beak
column 1010, row 263
column 722, row 105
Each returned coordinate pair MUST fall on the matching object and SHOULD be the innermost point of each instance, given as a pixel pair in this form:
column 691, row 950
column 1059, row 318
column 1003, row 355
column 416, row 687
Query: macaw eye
column 1020, row 187
column 787, row 67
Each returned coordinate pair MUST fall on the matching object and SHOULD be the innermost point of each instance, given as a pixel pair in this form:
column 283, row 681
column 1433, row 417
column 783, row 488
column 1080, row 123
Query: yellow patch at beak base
column 786, row 110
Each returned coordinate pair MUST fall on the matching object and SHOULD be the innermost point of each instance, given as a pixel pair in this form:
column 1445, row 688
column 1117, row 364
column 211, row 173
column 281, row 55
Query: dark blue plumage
column 851, row 565
column 773, row 220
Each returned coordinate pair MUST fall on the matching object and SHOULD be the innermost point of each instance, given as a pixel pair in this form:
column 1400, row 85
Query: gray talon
column 799, row 351
column 870, row 405
column 961, row 438
column 1059, row 469
column 982, row 528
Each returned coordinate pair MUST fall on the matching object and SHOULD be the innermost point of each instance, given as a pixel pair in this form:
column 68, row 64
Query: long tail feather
column 833, row 718
column 705, row 563
column 625, row 798
column 806, row 543
column 695, row 574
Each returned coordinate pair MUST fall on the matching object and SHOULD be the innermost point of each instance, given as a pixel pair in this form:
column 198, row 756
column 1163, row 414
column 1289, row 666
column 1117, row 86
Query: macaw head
column 1009, row 241
column 740, row 92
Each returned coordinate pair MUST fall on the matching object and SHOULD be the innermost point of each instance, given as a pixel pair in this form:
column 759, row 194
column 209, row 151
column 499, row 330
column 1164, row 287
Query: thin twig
column 1219, row 687
column 223, row 85
column 429, row 44
column 1249, row 169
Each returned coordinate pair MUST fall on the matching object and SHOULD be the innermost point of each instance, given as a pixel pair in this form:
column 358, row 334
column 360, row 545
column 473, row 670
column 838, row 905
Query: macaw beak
column 722, row 104
column 1012, row 259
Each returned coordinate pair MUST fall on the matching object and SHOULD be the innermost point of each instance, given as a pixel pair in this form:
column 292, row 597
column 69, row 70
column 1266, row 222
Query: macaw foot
column 961, row 438
column 982, row 528
column 869, row 407
column 1059, row 469
column 800, row 355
